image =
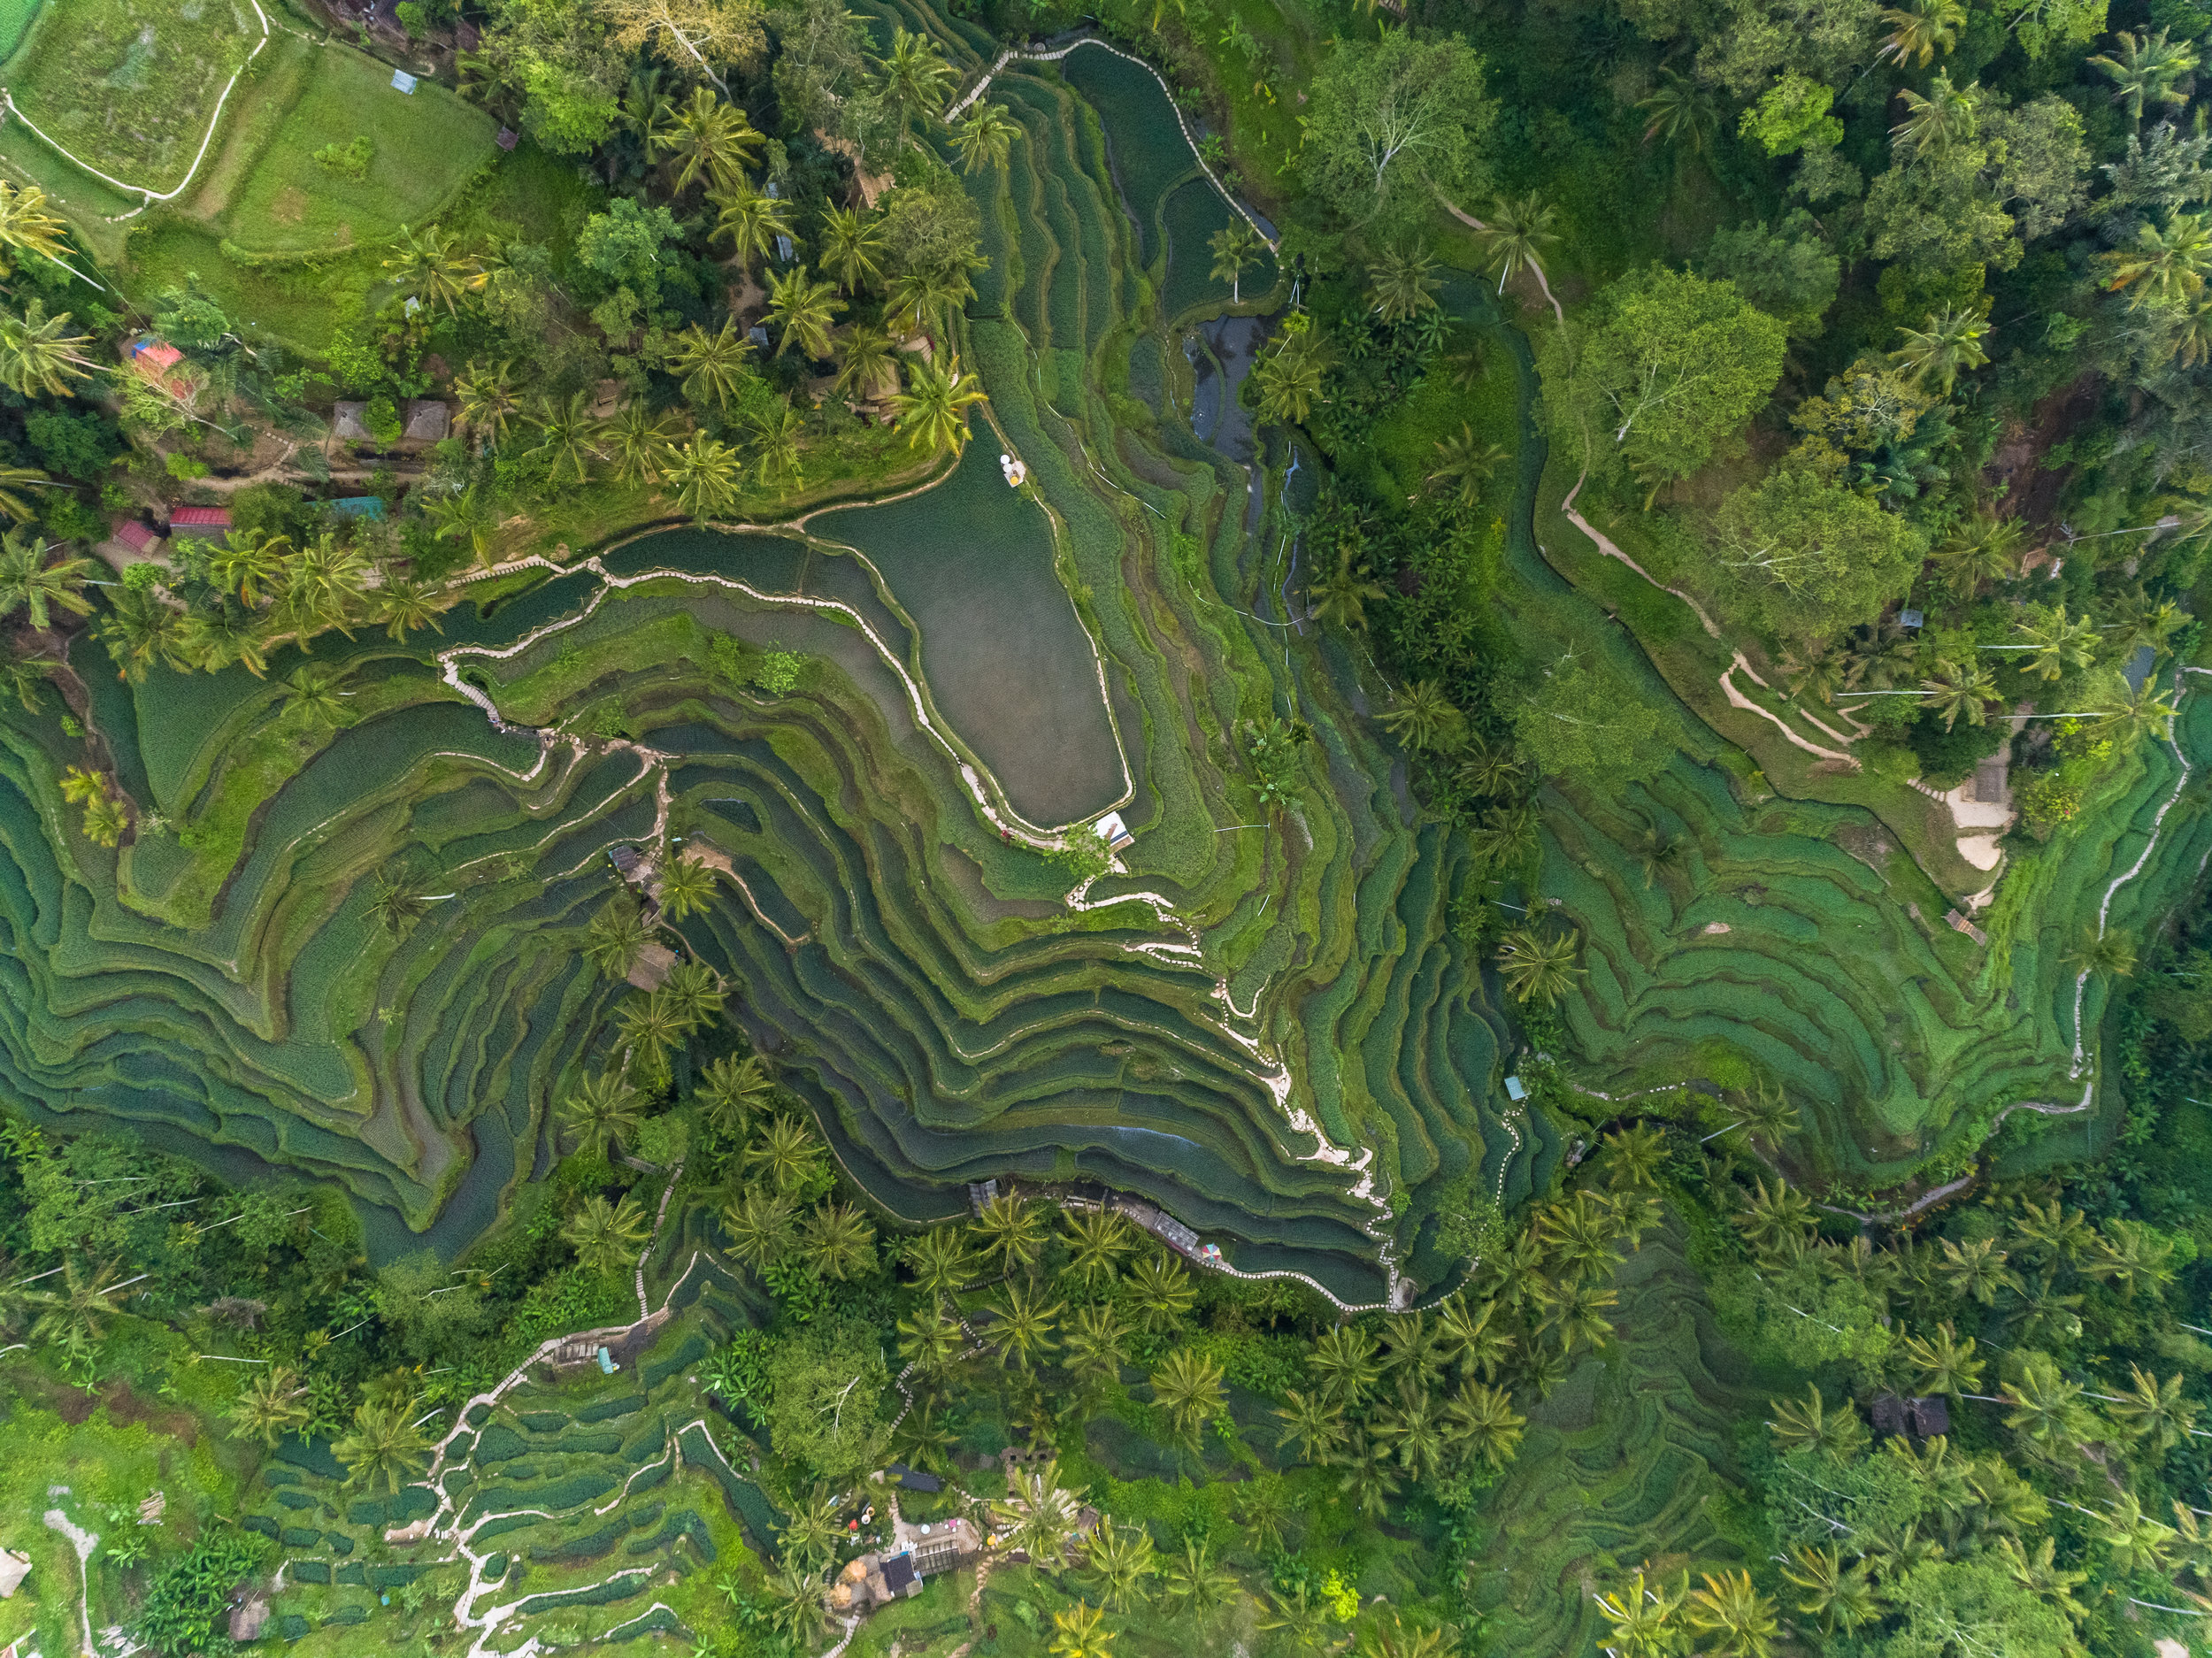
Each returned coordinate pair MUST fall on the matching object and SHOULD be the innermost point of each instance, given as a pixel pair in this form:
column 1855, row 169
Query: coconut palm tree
column 761, row 1226
column 565, row 430
column 26, row 226
column 707, row 475
column 864, row 361
column 712, row 365
column 1484, row 1424
column 2129, row 713
column 310, row 696
column 467, row 515
column 383, row 1450
column 1303, row 1617
column 2102, row 954
column 1012, row 1231
column 940, row 1260
column 1288, row 382
column 811, row 1534
column 1951, row 342
column 731, row 1092
column 75, row 1314
column 322, row 585
column 775, row 434
column 1424, row 719
column 1117, row 1560
column 1098, row 1342
column 803, row 311
column 38, row 354
column 396, row 906
column 248, row 564
column 1519, row 233
column 1921, row 28
column 1345, row 1362
column 211, row 640
column 926, row 295
column 1316, row 1421
column 1098, row 1241
column 1984, row 548
column 1936, row 124
column 1737, row 1619
column 1840, row 1597
column 29, row 583
column 1038, row 1517
column 638, row 442
column 1464, row 463
column 650, row 1028
column 786, row 1153
column 1188, row 1386
column 617, row 935
column 1371, row 1475
column 1339, row 598
column 916, row 78
column 1947, row 1364
column 1470, row 1337
column 1080, row 1632
column 1237, row 246
column 2166, row 266
column 695, row 994
column 402, row 606
column 796, row 1608
column 840, row 1241
column 1575, row 1311
column 606, row 1236
column 273, row 1403
column 1022, row 1326
column 1404, row 283
column 708, row 137
column 1641, row 1618
column 1162, row 1291
column 1966, row 687
column 687, row 885
column 852, row 248
column 1195, row 1583
column 430, row 268
column 2060, row 643
column 984, row 137
column 2145, row 69
column 1538, row 966
column 15, row 480
column 1680, row 113
column 932, row 411
column 601, row 1114
column 489, row 402
column 931, row 1339
column 750, row 218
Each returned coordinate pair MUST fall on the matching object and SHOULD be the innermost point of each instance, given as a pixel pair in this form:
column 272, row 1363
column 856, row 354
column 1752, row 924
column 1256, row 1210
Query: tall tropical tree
column 28, row 226
column 786, row 1153
column 707, row 474
column 75, row 1315
column 852, row 248
column 1188, row 1386
column 1315, row 1421
column 984, row 137
column 1404, row 283
column 761, row 1226
column 1423, row 717
column 249, row 564
column 1080, row 1632
column 1919, row 29
column 650, row 1028
column 2131, row 713
column 1012, row 1231
column 606, row 1236
column 1464, row 465
column 687, row 885
column 39, row 356
column 1736, row 1621
column 1038, row 1516
column 1680, row 113
column 2102, row 954
column 1339, row 597
column 2166, row 266
column 1117, row 1560
column 710, row 366
column 1538, row 966
column 617, row 937
column 709, row 138
column 601, row 1113
column 271, row 1404
column 1485, row 1423
column 2144, row 70
column 1952, row 341
column 1288, row 382
column 1956, row 688
column 1162, row 1291
column 1237, row 246
column 31, row 583
column 468, row 515
column 396, row 906
column 731, row 1091
column 864, row 360
column 940, row 1260
column 840, row 1241
column 1099, row 1241
column 1193, row 1583
column 916, row 78
column 431, row 269
column 311, row 697
column 752, row 220
column 775, row 432
column 924, row 296
column 933, row 409
column 2059, row 644
column 639, row 442
column 1519, row 233
column 566, row 432
column 1345, row 1360
column 1023, row 1326
column 1098, row 1342
column 383, row 1450
column 803, row 311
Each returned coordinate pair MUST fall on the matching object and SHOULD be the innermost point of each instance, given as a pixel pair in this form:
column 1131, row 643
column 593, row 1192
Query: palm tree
column 1738, row 1619
column 1013, row 1230
column 1404, row 283
column 707, row 474
column 1985, row 547
column 1080, row 1632
column 396, row 906
column 775, row 432
column 1422, row 1640
column 786, row 1153
column 601, row 1114
column 322, row 585
column 429, row 268
column 940, row 1260
column 310, row 696
column 933, row 409
column 916, row 78
column 1412, row 1426
column 1975, row 1270
column 687, row 885
column 712, row 138
column 1518, row 233
column 1117, row 1560
column 1188, row 1387
column 1097, row 1340
column 1237, row 246
column 1288, row 381
column 985, row 137
column 565, row 430
column 1538, row 966
column 2129, row 713
column 712, row 365
column 615, row 939
column 2144, row 71
column 732, row 1090
column 383, row 1450
column 1195, row 1583
column 271, row 1405
column 1162, row 1292
column 1921, row 28
column 1951, row 342
column 1262, row 1508
column 852, row 248
column 1339, row 598
column 1424, row 719
column 695, row 993
column 405, row 605
column 2139, row 622
column 26, row 227
column 606, row 1236
column 1464, row 463
column 1468, row 1337
column 1842, row 1598
column 1641, row 1618
column 15, row 480
column 1935, row 124
column 2103, row 954
column 1369, row 1477
column 1344, row 1359
column 1038, row 1515
column 1316, row 1421
column 2168, row 263
column 2059, row 643
column 248, row 563
column 1023, row 1326
column 1484, row 1421
column 2154, row 1414
column 489, row 402
column 1680, row 112
column 811, row 1535
column 864, row 360
column 752, row 219
column 649, row 1029
column 840, row 1240
column 1098, row 1241
column 1303, row 1617
column 38, row 356
column 926, row 295
column 795, row 1605
column 211, row 640
column 467, row 515
column 29, row 584
column 1960, row 688
column 76, row 1315
column 760, row 1226
column 639, row 442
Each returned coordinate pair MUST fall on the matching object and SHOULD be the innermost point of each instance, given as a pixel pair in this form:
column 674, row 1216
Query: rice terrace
column 966, row 830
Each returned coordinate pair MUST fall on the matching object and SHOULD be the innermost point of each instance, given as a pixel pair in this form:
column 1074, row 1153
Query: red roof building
column 134, row 534
column 206, row 523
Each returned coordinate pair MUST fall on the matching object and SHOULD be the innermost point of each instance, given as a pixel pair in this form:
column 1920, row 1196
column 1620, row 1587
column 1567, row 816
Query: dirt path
column 84, row 1542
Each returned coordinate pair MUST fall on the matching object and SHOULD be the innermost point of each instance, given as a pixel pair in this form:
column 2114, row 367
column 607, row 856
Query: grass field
column 15, row 17
column 129, row 86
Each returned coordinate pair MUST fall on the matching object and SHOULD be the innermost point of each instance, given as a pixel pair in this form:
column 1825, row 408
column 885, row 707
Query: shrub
column 67, row 519
column 778, row 670
column 79, row 445
column 350, row 161
column 382, row 417
column 188, row 1595
column 185, row 468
